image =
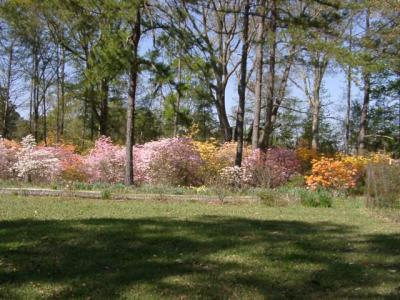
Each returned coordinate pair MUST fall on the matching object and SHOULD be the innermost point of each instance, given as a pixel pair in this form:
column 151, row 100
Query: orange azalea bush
column 332, row 173
column 342, row 171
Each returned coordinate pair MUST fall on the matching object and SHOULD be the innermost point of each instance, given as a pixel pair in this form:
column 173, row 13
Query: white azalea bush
column 36, row 164
column 232, row 176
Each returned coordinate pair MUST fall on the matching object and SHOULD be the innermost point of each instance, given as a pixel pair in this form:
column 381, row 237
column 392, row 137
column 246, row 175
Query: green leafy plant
column 105, row 194
column 268, row 197
column 317, row 198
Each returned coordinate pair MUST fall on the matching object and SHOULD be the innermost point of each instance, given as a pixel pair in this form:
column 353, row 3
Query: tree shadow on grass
column 208, row 257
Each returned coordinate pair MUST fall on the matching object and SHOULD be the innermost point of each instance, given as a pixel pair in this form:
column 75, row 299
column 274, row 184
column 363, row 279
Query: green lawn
column 86, row 249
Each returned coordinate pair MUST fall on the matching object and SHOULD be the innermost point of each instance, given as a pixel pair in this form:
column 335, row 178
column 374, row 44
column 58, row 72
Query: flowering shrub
column 306, row 156
column 176, row 162
column 360, row 162
column 332, row 173
column 225, row 155
column 212, row 165
column 169, row 161
column 105, row 162
column 37, row 164
column 7, row 158
column 271, row 168
column 342, row 171
column 72, row 164
column 142, row 159
column 232, row 176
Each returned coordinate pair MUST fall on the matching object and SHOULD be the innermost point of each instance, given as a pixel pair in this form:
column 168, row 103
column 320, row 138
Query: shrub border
column 99, row 195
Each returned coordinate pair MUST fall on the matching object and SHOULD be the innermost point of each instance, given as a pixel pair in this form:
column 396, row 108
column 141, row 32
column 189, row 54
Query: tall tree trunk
column 43, row 100
column 259, row 63
column 92, row 118
column 62, row 84
column 348, row 108
column 364, row 115
column 44, row 117
column 83, row 133
column 130, row 116
column 60, row 92
column 365, row 106
column 224, row 125
column 7, row 102
column 220, row 70
column 242, row 86
column 282, row 87
column 266, row 138
column 104, row 107
column 35, row 93
column 178, row 98
column 315, row 102
column 315, row 114
column 58, row 106
column 31, row 104
column 314, row 96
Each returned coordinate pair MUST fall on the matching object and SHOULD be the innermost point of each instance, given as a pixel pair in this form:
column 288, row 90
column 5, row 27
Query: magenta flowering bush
column 175, row 161
column 105, row 162
column 268, row 169
column 271, row 168
column 37, row 164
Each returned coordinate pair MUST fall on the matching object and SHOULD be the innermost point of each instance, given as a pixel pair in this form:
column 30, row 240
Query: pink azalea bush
column 8, row 158
column 167, row 161
column 105, row 162
column 142, row 158
column 37, row 164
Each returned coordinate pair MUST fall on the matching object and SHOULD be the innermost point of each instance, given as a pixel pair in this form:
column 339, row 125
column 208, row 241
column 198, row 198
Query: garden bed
column 117, row 196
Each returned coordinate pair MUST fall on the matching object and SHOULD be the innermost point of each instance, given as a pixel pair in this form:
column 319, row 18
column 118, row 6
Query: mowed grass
column 98, row 249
